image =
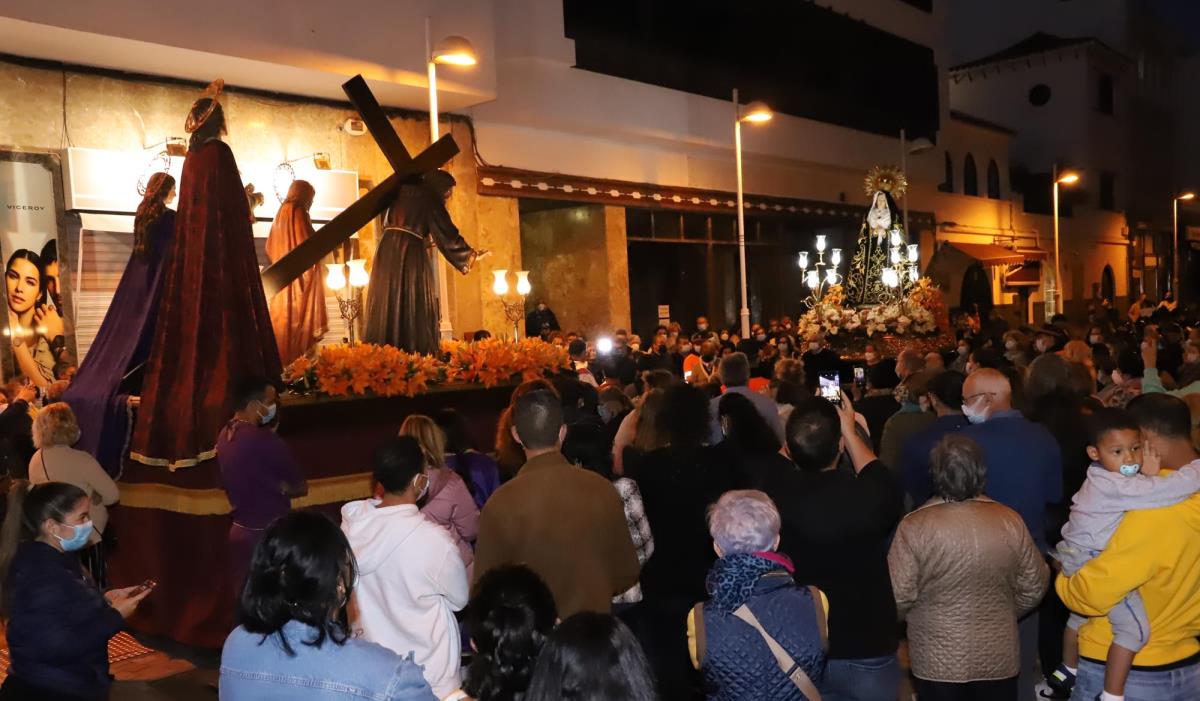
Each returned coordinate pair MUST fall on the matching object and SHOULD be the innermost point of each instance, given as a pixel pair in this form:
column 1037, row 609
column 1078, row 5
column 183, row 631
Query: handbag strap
column 793, row 671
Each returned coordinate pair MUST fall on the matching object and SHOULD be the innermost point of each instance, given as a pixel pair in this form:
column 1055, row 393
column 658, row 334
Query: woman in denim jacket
column 294, row 641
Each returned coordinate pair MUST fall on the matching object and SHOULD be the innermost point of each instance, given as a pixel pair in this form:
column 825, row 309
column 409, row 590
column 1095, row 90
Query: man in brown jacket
column 563, row 522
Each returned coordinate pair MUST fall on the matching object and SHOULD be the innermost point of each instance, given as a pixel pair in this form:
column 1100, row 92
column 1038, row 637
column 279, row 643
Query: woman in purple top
column 98, row 395
column 257, row 472
column 478, row 470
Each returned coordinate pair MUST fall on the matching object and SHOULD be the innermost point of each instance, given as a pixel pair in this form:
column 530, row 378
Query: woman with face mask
column 54, row 433
column 258, row 472
column 58, row 623
column 446, row 499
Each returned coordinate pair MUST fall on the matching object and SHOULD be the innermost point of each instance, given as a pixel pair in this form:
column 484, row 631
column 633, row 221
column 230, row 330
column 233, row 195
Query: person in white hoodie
column 411, row 578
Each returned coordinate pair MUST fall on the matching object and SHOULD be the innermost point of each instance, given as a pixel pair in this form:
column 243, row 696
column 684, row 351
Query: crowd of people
column 700, row 519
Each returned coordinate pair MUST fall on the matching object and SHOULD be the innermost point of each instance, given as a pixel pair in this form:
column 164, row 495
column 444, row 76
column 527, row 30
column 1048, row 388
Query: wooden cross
column 405, row 168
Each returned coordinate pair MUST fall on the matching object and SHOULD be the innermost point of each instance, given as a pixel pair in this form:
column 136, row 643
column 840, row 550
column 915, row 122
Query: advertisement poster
column 36, row 327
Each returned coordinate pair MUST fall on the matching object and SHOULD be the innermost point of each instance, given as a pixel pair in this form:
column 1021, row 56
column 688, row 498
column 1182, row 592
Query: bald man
column 1024, row 472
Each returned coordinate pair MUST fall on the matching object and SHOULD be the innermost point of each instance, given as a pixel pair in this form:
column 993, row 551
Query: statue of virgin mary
column 864, row 279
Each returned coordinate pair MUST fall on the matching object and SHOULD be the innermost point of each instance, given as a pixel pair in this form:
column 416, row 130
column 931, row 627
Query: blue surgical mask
column 79, row 540
column 1130, row 470
column 268, row 417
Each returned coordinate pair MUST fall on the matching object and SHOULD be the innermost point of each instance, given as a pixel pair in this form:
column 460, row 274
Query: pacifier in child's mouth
column 1130, row 470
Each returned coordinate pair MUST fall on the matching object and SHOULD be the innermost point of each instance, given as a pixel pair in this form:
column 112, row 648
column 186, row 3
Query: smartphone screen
column 860, row 375
column 831, row 389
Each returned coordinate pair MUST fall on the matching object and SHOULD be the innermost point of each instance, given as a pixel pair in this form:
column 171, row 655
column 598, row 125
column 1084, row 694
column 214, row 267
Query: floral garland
column 386, row 371
column 916, row 314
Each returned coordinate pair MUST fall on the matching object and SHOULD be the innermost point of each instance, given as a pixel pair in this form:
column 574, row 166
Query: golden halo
column 889, row 179
column 212, row 91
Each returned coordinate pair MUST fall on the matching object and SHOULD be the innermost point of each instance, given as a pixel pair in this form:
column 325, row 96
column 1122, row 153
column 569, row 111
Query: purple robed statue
column 99, row 394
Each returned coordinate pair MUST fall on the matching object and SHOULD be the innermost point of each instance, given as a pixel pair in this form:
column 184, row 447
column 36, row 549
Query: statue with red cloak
column 213, row 326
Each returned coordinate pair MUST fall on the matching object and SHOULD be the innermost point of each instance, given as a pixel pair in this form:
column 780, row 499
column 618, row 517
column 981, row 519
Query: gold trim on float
column 176, row 464
column 213, row 502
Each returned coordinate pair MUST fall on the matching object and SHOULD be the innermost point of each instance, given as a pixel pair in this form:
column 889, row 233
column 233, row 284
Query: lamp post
column 814, row 279
column 1069, row 177
column 349, row 305
column 1181, row 197
column 919, row 145
column 453, row 51
column 756, row 112
column 514, row 310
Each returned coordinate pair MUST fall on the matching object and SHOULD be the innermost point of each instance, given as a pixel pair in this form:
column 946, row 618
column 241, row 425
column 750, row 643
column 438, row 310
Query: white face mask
column 975, row 416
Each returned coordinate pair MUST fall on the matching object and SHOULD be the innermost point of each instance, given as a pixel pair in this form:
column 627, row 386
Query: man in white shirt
column 411, row 578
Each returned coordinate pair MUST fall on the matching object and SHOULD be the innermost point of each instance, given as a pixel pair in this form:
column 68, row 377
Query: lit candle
column 836, row 257
column 914, row 254
column 897, row 239
column 895, row 256
column 803, row 260
column 830, row 276
column 820, row 243
column 358, row 272
column 812, row 280
column 499, row 283
column 335, row 279
column 523, row 286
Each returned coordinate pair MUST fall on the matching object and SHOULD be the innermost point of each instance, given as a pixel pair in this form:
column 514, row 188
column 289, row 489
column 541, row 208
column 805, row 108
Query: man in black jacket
column 835, row 530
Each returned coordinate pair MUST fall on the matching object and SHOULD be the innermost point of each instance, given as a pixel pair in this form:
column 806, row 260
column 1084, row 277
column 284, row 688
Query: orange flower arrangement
column 387, row 371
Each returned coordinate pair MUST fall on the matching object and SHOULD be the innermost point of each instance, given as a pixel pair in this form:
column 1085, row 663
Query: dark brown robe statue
column 297, row 311
column 402, row 305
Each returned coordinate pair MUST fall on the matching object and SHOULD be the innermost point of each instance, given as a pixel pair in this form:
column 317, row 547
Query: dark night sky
column 1183, row 14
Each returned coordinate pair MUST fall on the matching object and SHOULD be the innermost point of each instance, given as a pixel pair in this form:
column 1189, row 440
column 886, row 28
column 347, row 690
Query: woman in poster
column 36, row 329
column 99, row 395
column 213, row 326
column 297, row 311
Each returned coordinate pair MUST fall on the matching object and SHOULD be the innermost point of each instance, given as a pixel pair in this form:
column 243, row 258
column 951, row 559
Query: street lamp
column 918, row 145
column 755, row 113
column 1068, row 177
column 451, row 51
column 1182, row 197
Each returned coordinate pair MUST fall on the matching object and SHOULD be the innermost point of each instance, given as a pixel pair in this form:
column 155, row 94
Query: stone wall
column 115, row 112
column 578, row 263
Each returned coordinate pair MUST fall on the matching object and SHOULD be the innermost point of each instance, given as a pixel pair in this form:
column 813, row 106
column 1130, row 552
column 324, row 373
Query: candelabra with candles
column 905, row 259
column 822, row 275
column 349, row 303
column 514, row 310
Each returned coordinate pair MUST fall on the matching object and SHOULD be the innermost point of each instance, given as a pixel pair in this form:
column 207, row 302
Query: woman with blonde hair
column 54, row 432
column 447, row 501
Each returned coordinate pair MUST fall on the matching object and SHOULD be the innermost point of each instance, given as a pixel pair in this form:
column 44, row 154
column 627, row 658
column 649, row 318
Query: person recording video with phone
column 835, row 529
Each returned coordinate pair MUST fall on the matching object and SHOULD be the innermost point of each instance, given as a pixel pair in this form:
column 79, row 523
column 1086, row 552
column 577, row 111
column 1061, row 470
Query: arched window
column 948, row 183
column 993, row 179
column 970, row 177
column 1108, row 285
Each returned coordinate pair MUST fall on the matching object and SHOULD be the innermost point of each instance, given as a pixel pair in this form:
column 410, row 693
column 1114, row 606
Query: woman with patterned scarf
column 760, row 635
